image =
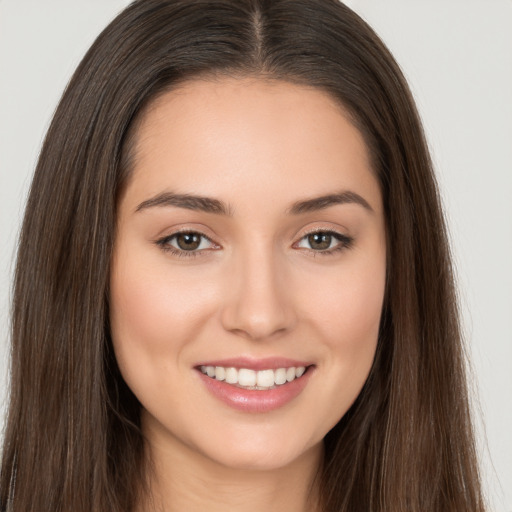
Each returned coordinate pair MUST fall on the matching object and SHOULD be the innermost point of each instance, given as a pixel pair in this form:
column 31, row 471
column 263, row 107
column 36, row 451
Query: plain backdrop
column 457, row 55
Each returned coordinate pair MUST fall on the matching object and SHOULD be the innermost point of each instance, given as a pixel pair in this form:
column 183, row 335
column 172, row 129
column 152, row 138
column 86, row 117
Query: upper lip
column 266, row 363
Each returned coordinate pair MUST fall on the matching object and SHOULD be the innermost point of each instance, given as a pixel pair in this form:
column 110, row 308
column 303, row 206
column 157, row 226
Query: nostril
column 256, row 322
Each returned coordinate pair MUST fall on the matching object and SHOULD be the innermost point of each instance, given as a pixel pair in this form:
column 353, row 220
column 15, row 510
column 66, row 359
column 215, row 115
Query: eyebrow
column 323, row 202
column 211, row 205
column 187, row 201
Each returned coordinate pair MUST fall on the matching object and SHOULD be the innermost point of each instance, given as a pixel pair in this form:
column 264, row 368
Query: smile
column 255, row 386
column 254, row 379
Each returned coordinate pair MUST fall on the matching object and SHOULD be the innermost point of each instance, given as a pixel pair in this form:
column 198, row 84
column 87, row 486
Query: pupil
column 320, row 241
column 188, row 241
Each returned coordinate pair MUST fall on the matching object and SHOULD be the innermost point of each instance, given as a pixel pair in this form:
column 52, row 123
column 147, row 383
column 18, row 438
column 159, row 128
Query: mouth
column 261, row 380
column 255, row 386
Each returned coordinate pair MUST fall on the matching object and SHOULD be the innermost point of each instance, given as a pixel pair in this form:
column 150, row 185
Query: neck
column 183, row 479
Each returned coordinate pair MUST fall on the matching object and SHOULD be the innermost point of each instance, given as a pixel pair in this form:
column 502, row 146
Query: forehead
column 206, row 135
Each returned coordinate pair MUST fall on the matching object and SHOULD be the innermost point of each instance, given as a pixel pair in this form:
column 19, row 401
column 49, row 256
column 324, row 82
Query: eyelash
column 345, row 242
column 164, row 244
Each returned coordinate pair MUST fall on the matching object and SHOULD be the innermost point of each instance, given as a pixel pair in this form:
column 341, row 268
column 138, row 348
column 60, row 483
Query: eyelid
column 345, row 241
column 164, row 243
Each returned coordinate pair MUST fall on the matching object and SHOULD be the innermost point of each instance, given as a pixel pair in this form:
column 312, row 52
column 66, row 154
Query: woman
column 233, row 270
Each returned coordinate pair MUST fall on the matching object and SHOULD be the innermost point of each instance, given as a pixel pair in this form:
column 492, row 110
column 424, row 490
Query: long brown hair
column 73, row 439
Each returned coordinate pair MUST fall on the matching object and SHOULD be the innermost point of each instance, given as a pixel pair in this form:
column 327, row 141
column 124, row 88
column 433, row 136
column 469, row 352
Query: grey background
column 457, row 55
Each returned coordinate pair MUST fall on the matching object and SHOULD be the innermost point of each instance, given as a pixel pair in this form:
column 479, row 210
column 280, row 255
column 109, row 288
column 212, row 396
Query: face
column 248, row 272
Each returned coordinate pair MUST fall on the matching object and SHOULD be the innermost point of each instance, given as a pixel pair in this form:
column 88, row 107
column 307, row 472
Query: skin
column 258, row 289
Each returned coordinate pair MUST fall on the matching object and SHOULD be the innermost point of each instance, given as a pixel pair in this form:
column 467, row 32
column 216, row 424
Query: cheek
column 346, row 313
column 153, row 316
column 348, row 307
column 359, row 314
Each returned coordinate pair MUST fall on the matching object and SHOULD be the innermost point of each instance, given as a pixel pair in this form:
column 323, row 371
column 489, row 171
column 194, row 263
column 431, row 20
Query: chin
column 261, row 455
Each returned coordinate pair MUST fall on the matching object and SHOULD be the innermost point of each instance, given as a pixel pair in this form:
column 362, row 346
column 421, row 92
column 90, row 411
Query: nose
column 258, row 304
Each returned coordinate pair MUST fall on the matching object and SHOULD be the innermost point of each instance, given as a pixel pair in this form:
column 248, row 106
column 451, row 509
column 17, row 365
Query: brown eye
column 320, row 241
column 324, row 242
column 188, row 241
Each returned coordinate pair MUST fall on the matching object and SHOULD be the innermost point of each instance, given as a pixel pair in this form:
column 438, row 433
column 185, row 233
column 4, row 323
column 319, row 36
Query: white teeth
column 262, row 379
column 280, row 376
column 246, row 377
column 231, row 375
column 265, row 378
column 220, row 373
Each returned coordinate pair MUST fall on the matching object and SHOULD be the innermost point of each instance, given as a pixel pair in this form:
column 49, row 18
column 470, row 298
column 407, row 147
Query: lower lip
column 256, row 401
